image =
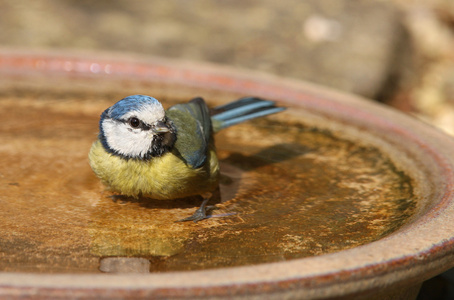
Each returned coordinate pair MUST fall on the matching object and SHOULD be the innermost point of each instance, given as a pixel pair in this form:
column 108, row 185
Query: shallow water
column 288, row 190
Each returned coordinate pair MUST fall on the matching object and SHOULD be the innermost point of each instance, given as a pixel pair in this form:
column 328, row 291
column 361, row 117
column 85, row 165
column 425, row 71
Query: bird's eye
column 134, row 122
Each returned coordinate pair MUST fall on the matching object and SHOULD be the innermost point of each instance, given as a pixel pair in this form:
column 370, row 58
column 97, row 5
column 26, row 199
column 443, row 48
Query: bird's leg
column 201, row 212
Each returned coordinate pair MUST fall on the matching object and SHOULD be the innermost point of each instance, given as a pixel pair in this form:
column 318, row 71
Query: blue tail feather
column 243, row 102
column 242, row 110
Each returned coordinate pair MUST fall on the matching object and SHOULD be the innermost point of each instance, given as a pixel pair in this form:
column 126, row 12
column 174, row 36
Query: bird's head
column 136, row 127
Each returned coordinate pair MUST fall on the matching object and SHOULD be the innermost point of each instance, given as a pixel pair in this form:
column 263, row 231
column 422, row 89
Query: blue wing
column 193, row 123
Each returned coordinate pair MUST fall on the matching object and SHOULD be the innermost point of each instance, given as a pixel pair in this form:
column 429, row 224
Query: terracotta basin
column 337, row 197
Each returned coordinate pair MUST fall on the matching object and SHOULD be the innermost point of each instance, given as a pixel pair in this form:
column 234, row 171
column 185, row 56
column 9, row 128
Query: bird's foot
column 200, row 213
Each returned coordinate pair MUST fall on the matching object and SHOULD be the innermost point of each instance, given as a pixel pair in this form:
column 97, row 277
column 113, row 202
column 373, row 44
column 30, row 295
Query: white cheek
column 121, row 139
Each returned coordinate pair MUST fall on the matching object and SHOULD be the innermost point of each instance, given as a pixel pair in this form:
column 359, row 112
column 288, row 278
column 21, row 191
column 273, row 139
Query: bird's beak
column 160, row 127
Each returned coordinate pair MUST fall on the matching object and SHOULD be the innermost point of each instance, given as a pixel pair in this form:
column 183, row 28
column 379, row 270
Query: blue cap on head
column 130, row 103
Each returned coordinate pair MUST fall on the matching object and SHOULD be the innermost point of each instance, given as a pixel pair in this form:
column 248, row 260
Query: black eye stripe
column 135, row 123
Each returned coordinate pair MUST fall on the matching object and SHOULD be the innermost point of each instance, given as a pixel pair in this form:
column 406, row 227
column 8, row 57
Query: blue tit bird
column 144, row 150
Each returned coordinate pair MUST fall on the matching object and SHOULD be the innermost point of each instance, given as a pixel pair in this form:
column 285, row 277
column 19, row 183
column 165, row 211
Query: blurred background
column 398, row 52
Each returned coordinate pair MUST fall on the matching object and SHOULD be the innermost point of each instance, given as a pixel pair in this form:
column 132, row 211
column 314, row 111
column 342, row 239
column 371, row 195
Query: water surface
column 288, row 190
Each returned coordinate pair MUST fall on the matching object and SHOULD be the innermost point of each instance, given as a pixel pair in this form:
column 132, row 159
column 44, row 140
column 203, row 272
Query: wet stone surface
column 288, row 190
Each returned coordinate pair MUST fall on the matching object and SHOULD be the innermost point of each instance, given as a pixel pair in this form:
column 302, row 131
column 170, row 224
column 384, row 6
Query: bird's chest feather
column 165, row 177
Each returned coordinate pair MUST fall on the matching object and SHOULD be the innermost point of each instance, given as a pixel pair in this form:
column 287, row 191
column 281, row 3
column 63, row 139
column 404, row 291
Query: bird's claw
column 199, row 215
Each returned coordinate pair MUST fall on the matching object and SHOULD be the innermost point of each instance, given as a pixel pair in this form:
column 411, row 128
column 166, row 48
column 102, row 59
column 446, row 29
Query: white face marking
column 149, row 114
column 128, row 141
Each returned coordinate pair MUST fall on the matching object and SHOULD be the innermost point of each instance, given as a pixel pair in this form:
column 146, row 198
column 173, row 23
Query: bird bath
column 335, row 197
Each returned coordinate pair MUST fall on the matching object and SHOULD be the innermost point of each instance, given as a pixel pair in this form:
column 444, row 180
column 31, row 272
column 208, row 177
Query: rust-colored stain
column 288, row 191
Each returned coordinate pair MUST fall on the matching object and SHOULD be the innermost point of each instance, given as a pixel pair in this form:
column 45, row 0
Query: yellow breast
column 165, row 177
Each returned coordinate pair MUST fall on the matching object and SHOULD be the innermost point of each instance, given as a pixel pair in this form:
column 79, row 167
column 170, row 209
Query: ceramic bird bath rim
column 421, row 249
